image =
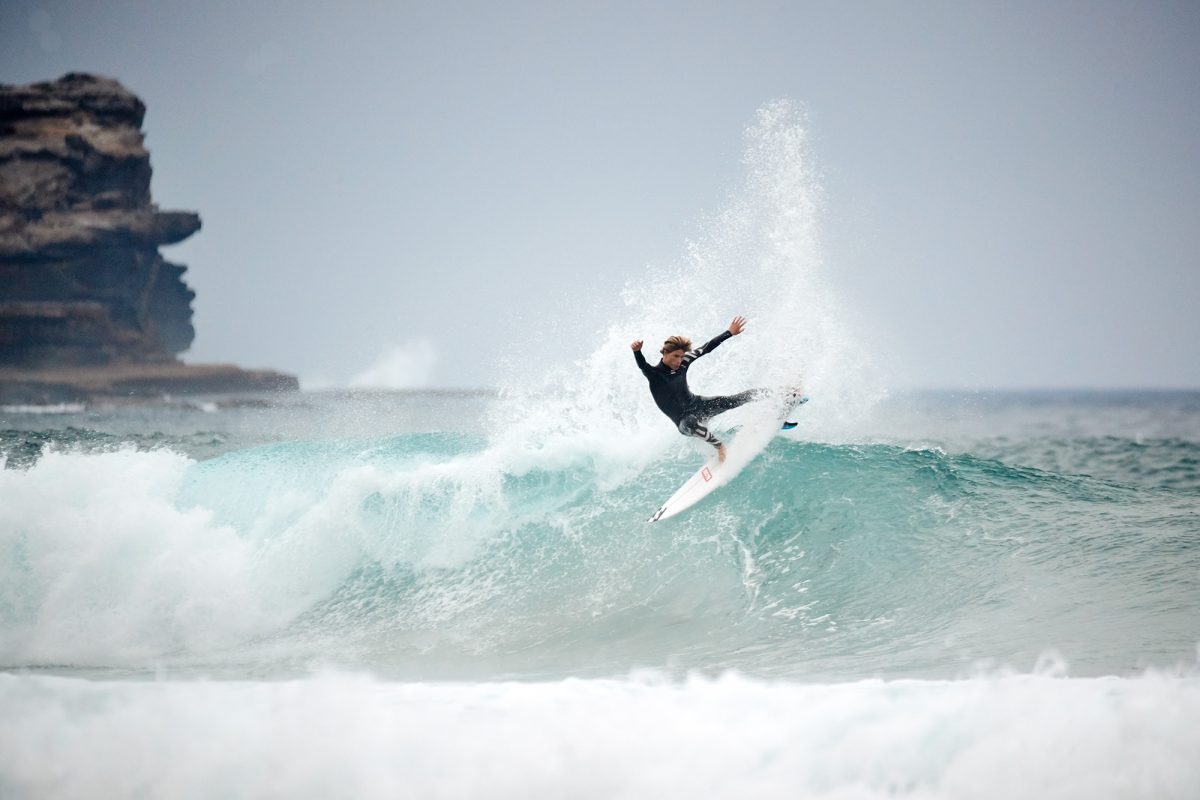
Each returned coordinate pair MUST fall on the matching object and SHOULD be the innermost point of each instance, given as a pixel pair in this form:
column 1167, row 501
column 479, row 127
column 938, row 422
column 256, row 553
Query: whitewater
column 446, row 594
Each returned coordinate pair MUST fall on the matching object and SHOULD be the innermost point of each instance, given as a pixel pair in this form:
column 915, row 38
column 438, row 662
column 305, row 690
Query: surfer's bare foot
column 721, row 454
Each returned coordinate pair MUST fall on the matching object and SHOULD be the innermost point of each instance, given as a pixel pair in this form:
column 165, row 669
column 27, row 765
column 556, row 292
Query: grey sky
column 1013, row 189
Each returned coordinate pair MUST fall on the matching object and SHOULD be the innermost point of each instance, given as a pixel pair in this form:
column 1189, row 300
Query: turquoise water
column 439, row 554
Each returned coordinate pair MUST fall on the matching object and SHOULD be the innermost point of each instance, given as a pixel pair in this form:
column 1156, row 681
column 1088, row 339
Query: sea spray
column 98, row 564
column 759, row 255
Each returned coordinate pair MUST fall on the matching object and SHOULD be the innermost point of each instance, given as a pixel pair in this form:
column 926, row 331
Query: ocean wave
column 441, row 551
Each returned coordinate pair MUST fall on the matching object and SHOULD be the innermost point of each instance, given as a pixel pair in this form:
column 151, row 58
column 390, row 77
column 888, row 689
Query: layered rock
column 81, row 279
column 82, row 283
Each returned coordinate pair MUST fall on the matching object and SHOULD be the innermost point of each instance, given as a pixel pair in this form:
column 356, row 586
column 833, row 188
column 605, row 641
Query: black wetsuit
column 688, row 411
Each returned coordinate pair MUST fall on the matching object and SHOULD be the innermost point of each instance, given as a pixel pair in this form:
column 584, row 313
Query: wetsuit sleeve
column 707, row 347
column 641, row 362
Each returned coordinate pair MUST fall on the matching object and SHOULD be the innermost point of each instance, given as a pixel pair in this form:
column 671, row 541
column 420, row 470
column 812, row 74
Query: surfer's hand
column 737, row 326
column 637, row 345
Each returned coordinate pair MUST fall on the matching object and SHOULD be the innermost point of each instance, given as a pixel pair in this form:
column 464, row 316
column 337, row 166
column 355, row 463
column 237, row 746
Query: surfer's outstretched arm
column 737, row 326
column 639, row 358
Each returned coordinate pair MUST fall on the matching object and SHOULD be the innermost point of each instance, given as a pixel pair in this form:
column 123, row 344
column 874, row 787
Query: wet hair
column 676, row 343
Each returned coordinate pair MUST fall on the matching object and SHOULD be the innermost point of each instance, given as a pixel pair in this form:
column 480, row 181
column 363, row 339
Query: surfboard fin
column 801, row 400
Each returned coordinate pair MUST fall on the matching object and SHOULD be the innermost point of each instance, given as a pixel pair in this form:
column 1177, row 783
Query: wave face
column 436, row 554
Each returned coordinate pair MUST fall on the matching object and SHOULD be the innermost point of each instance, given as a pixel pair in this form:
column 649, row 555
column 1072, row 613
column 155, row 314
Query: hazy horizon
column 409, row 195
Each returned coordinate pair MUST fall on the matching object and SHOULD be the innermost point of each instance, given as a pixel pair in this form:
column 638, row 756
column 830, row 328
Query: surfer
column 668, row 385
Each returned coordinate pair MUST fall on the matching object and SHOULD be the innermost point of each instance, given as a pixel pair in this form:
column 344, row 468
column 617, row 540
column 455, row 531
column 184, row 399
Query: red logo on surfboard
column 706, row 473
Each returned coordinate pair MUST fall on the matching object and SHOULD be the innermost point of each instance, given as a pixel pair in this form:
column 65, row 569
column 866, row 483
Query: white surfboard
column 751, row 440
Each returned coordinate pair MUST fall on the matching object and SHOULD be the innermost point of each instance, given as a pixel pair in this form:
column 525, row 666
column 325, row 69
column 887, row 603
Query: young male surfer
column 668, row 385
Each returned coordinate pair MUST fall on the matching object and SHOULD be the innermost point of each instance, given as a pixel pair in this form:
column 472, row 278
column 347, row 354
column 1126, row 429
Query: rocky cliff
column 82, row 284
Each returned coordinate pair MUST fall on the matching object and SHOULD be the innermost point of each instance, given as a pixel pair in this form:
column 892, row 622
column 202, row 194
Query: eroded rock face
column 81, row 279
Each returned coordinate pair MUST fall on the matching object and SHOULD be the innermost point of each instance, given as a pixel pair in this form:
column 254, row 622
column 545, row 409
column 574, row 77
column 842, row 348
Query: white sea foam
column 50, row 408
column 337, row 735
column 97, row 559
column 114, row 558
column 104, row 562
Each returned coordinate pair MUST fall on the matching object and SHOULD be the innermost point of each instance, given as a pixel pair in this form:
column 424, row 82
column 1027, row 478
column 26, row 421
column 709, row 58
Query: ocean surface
column 375, row 595
column 448, row 594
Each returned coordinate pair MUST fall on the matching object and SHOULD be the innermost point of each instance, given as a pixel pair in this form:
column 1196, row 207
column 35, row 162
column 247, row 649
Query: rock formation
column 82, row 284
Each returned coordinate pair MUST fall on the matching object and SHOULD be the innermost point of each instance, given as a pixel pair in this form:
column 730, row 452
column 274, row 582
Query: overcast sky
column 1012, row 189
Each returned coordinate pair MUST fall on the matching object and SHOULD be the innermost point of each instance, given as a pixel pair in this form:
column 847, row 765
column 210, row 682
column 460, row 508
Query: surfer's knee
column 704, row 433
column 690, row 426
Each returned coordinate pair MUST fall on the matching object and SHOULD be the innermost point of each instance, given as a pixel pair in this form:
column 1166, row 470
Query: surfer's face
column 673, row 359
